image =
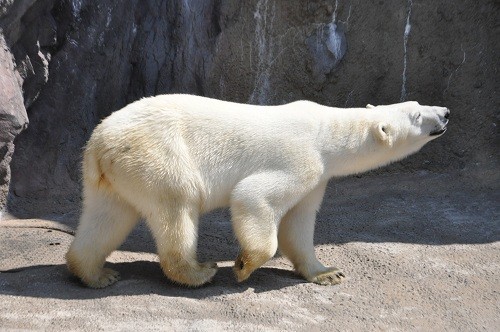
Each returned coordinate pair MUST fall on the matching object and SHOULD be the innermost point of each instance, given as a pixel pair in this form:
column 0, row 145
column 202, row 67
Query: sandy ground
column 420, row 251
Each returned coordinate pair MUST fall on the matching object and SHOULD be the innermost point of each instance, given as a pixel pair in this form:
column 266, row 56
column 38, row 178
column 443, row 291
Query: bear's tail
column 93, row 174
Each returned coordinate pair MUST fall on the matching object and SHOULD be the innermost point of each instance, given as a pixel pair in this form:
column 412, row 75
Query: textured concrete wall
column 74, row 62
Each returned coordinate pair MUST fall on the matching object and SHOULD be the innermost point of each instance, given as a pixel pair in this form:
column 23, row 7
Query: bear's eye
column 417, row 116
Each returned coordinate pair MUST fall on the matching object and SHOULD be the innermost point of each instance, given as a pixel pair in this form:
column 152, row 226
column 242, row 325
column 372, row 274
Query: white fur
column 171, row 158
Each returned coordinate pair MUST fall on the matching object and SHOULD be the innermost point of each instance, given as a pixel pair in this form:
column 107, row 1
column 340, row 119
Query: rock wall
column 13, row 117
column 66, row 64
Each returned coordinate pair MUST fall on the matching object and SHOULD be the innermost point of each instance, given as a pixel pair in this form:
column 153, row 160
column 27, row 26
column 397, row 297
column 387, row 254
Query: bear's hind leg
column 296, row 236
column 175, row 229
column 105, row 223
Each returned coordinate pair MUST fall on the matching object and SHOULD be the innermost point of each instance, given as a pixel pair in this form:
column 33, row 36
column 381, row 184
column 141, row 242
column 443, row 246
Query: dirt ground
column 421, row 251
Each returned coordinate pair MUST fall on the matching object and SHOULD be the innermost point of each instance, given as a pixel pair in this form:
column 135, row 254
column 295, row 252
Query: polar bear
column 170, row 158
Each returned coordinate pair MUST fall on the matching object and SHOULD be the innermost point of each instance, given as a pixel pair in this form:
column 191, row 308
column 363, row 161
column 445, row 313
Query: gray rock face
column 13, row 117
column 79, row 60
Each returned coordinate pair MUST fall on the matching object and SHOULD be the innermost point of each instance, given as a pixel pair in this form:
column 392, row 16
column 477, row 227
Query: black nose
column 447, row 114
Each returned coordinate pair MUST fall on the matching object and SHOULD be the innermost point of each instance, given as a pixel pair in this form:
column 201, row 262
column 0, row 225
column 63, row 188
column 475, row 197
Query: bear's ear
column 382, row 131
column 369, row 106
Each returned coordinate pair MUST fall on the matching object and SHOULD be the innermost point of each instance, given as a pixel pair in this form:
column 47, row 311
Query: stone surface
column 13, row 117
column 415, row 259
column 80, row 60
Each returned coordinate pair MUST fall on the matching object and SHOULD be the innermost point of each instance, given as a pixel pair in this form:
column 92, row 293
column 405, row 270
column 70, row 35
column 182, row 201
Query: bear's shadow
column 137, row 278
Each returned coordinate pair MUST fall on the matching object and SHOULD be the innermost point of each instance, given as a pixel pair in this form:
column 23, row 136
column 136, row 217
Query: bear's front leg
column 257, row 205
column 296, row 236
column 257, row 235
column 175, row 228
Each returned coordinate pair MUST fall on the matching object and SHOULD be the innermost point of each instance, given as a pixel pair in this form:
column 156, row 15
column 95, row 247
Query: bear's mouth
column 438, row 132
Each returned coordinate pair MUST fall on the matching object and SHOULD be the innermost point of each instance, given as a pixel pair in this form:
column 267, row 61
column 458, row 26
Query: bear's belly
column 218, row 193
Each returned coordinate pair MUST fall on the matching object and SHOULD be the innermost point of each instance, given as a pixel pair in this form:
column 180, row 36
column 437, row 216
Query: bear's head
column 406, row 127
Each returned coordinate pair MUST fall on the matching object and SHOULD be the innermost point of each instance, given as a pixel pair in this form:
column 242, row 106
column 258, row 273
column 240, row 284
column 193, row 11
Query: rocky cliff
column 66, row 64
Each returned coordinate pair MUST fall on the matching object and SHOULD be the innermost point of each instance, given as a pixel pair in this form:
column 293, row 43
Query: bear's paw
column 331, row 276
column 105, row 278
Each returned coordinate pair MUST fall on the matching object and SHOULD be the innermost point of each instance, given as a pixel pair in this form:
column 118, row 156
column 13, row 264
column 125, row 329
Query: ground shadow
column 137, row 278
column 420, row 208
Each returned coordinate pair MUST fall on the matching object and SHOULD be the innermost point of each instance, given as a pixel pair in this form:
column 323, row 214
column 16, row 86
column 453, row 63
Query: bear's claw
column 106, row 278
column 247, row 262
column 191, row 275
column 332, row 276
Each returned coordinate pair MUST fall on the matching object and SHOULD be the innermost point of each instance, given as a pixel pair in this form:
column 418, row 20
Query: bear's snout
column 443, row 114
column 447, row 114
column 446, row 118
